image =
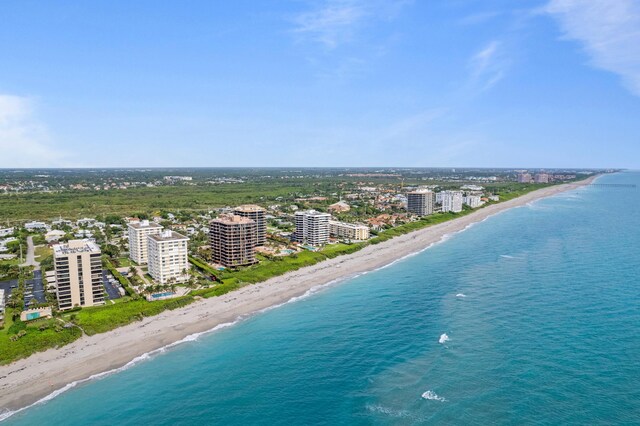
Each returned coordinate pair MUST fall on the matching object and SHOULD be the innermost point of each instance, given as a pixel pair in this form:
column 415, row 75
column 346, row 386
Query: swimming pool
column 165, row 294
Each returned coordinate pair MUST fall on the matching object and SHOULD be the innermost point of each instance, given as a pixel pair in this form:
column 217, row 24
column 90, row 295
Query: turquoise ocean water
column 541, row 305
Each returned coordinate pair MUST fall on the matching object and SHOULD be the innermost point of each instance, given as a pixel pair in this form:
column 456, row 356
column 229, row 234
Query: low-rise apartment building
column 348, row 231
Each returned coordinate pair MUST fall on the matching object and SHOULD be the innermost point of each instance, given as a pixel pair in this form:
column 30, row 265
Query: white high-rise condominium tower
column 78, row 267
column 473, row 201
column 312, row 227
column 168, row 257
column 138, row 244
column 452, row 201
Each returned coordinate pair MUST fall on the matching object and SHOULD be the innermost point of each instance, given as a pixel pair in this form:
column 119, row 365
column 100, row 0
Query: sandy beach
column 30, row 380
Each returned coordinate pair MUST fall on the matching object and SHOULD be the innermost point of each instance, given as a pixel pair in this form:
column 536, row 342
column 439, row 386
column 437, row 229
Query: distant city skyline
column 326, row 83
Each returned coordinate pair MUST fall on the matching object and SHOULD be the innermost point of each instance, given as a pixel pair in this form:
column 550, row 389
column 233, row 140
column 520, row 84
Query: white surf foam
column 443, row 338
column 432, row 396
column 388, row 411
column 461, row 295
column 506, row 256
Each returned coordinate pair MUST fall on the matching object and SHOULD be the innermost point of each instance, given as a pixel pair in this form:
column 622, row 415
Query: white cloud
column 479, row 18
column 24, row 142
column 331, row 24
column 488, row 65
column 609, row 31
column 335, row 22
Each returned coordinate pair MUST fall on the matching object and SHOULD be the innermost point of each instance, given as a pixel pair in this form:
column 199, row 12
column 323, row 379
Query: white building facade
column 451, row 201
column 473, row 201
column 312, row 227
column 138, row 243
column 168, row 257
column 348, row 231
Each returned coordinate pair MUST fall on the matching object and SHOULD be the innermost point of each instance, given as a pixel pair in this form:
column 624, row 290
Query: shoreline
column 44, row 375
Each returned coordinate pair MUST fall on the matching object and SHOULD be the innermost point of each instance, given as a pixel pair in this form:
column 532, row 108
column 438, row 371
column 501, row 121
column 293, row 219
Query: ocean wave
column 461, row 295
column 443, row 338
column 389, row 411
column 432, row 396
column 507, row 256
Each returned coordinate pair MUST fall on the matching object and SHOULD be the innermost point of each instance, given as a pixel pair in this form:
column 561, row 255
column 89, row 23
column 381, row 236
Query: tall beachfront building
column 138, row 243
column 349, row 231
column 451, row 201
column 420, row 202
column 168, row 257
column 257, row 214
column 473, row 201
column 541, row 178
column 78, row 267
column 524, row 178
column 233, row 240
column 312, row 227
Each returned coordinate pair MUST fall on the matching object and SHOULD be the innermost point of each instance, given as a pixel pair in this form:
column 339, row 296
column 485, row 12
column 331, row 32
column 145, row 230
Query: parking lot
column 111, row 285
column 33, row 288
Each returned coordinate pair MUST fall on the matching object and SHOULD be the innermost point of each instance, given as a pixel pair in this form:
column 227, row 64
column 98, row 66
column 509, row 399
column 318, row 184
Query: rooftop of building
column 232, row 219
column 347, row 224
column 311, row 213
column 74, row 247
column 249, row 208
column 144, row 224
column 168, row 235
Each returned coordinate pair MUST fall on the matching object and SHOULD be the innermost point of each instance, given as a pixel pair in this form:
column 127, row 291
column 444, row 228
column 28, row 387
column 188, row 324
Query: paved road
column 31, row 254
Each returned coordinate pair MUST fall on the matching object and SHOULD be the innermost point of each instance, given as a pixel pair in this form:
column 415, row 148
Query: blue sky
column 504, row 83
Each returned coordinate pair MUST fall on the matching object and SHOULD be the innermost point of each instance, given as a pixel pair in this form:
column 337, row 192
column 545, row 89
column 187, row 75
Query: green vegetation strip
column 20, row 340
column 104, row 318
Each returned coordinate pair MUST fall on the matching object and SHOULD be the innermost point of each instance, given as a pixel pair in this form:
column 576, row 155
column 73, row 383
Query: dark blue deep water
column 547, row 333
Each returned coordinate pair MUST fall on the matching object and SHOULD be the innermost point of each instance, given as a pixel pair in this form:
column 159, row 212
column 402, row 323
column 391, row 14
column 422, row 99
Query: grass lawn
column 43, row 251
column 125, row 262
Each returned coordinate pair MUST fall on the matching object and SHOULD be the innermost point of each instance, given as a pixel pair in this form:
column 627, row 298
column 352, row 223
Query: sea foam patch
column 432, row 396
